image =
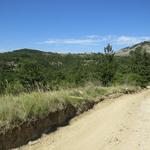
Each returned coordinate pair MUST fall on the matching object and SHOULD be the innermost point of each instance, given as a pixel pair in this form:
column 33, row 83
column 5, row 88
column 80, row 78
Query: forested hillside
column 27, row 70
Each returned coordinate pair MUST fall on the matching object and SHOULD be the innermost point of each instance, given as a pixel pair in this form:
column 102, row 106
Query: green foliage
column 29, row 106
column 31, row 70
column 14, row 88
column 126, row 79
column 41, row 71
column 108, row 68
column 140, row 65
column 31, row 75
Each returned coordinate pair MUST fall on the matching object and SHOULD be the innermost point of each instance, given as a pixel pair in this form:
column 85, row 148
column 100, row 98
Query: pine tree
column 108, row 68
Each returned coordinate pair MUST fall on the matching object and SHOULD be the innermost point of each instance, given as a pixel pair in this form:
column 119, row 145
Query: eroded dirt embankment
column 32, row 130
column 114, row 124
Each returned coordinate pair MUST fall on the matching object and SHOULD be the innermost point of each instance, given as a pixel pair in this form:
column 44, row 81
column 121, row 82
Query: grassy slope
column 16, row 109
column 125, row 51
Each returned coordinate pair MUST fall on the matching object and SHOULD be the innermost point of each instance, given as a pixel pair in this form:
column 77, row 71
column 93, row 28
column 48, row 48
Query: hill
column 27, row 70
column 34, row 69
column 125, row 51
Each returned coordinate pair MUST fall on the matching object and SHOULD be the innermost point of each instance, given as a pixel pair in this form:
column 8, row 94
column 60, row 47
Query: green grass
column 14, row 109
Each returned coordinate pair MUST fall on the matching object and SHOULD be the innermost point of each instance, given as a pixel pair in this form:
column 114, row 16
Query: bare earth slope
column 119, row 124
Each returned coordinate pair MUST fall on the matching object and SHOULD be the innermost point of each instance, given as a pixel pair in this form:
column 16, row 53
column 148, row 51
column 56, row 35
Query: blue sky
column 73, row 25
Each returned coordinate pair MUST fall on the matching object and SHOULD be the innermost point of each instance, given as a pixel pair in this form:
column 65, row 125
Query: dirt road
column 119, row 124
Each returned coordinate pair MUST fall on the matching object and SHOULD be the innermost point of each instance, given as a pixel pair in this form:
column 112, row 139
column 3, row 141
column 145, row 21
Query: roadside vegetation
column 35, row 83
column 30, row 106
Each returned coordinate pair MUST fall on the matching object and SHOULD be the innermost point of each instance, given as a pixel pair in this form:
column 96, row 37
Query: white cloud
column 97, row 40
column 93, row 36
column 129, row 40
column 87, row 40
column 84, row 41
column 126, row 40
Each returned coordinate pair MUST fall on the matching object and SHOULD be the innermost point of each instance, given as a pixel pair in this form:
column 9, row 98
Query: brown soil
column 114, row 124
column 31, row 130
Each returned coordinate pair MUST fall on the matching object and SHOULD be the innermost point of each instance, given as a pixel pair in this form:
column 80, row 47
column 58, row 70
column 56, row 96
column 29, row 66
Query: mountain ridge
column 125, row 51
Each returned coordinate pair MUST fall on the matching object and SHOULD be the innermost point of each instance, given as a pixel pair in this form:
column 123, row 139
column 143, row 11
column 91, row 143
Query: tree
column 108, row 68
column 140, row 65
column 31, row 75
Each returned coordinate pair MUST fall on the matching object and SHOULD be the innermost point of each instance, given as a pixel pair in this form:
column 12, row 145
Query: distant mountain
column 125, row 51
column 27, row 50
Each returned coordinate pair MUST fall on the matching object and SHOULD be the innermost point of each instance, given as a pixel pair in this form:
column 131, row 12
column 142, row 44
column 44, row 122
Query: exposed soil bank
column 115, row 124
column 32, row 130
